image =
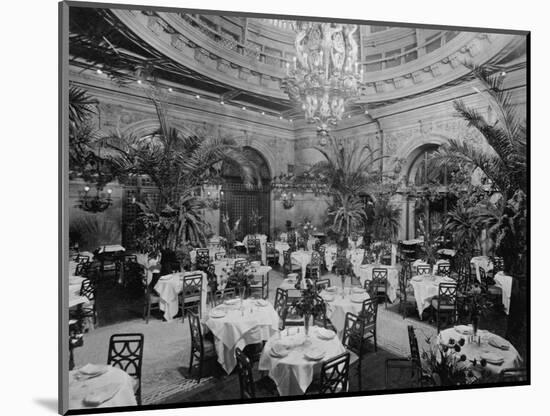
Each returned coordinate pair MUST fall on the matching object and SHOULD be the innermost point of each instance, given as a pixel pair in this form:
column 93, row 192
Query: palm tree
column 178, row 162
column 346, row 213
column 386, row 220
column 504, row 159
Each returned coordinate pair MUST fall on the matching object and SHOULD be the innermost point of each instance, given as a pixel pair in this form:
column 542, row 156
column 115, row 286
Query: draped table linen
column 294, row 373
column 481, row 261
column 365, row 274
column 301, row 258
column 249, row 324
column 170, row 286
column 505, row 283
column 426, row 288
column 80, row 388
column 338, row 306
column 281, row 247
column 263, row 247
column 355, row 256
column 511, row 357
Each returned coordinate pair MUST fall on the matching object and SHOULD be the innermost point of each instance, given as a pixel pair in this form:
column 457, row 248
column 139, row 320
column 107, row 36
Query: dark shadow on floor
column 48, row 404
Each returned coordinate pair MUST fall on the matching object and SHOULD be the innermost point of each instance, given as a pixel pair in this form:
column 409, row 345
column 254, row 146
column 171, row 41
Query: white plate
column 463, row 329
column 358, row 298
column 325, row 334
column 217, row 313
column 493, row 357
column 332, row 289
column 231, row 301
column 417, row 279
column 314, row 354
column 499, row 343
column 93, row 369
column 278, row 351
column 261, row 302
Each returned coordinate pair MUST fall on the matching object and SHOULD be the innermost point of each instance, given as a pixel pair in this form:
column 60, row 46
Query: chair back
column 498, row 264
column 281, row 297
column 354, row 331
column 83, row 269
column 379, row 274
column 219, row 255
column 444, row 269
column 126, row 353
column 270, row 248
column 240, row 263
column 447, row 294
column 252, row 244
column 192, row 285
column 335, row 374
column 301, row 243
column 423, row 269
column 322, row 284
column 315, row 259
column 246, row 378
column 486, row 280
column 197, row 345
column 369, row 312
column 415, row 351
column 202, row 258
column 88, row 289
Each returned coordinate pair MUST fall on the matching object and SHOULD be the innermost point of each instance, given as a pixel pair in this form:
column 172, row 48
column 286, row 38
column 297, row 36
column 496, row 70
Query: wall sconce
column 288, row 199
column 94, row 204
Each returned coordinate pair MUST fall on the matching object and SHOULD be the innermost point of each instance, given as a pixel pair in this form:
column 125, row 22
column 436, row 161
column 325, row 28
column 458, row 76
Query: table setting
column 281, row 247
column 238, row 322
column 93, row 386
column 425, row 287
column 263, row 247
column 481, row 261
column 170, row 286
column 302, row 258
column 292, row 358
column 340, row 301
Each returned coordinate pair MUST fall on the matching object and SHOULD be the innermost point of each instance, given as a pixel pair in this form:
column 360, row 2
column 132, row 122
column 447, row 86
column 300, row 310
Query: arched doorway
column 239, row 202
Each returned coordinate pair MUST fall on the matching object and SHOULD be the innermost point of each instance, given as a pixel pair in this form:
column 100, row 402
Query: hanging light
column 97, row 203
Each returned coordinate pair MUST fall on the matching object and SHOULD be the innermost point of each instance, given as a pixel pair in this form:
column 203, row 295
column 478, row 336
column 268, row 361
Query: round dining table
column 301, row 257
column 292, row 359
column 365, row 275
column 481, row 261
column 110, row 387
column 281, row 247
column 426, row 287
column 499, row 353
column 237, row 323
column 170, row 286
column 341, row 301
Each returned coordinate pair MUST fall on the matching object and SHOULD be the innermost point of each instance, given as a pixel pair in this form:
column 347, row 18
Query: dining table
column 301, row 258
column 426, row 287
column 281, row 247
column 340, row 301
column 237, row 323
column 481, row 261
column 330, row 255
column 170, row 286
column 499, row 353
column 355, row 256
column 365, row 275
column 263, row 247
column 505, row 282
column 100, row 386
column 292, row 358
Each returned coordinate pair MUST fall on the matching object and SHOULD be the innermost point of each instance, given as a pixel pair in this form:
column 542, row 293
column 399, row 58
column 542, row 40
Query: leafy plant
column 387, row 218
column 230, row 232
column 308, row 304
column 255, row 219
column 92, row 231
column 347, row 213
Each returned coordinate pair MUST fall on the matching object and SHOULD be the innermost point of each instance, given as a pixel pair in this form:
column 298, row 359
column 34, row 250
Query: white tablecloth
column 505, row 283
column 330, row 255
column 170, row 286
column 222, row 267
column 447, row 252
column 263, row 241
column 337, row 307
column 239, row 328
column 79, row 389
column 112, row 248
column 365, row 274
column 426, row 289
column 356, row 258
column 301, row 258
column 281, row 247
column 481, row 261
column 211, row 253
column 511, row 357
column 294, row 373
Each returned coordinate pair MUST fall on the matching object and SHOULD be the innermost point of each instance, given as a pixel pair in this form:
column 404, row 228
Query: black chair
column 352, row 339
column 222, row 294
column 151, row 297
column 291, row 317
column 369, row 314
column 498, row 264
column 253, row 248
column 406, row 293
column 288, row 267
column 445, row 304
column 423, row 269
column 379, row 284
column 321, row 251
column 246, row 378
column 202, row 349
column 202, row 260
column 413, row 362
column 334, row 376
column 191, row 295
column 313, row 269
column 281, row 297
column 513, row 375
column 444, row 269
column 494, row 293
column 271, row 254
column 301, row 243
column 322, row 284
column 126, row 353
column 219, row 255
column 87, row 310
column 262, row 286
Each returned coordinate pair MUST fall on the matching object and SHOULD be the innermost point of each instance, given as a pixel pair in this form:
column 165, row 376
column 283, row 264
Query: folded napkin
column 261, row 302
column 463, row 329
column 101, row 394
column 93, row 369
column 314, row 353
column 279, row 349
column 325, row 333
column 499, row 343
column 492, row 357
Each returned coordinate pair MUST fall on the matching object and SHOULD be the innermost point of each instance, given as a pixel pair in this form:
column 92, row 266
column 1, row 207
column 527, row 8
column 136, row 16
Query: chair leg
column 200, row 370
column 375, row 342
column 190, row 364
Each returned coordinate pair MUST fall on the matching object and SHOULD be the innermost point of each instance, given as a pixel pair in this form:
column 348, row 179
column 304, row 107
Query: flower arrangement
column 230, row 233
column 476, row 304
column 446, row 365
column 255, row 219
column 308, row 304
column 306, row 228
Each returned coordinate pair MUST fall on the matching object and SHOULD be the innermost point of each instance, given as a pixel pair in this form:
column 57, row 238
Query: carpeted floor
column 167, row 347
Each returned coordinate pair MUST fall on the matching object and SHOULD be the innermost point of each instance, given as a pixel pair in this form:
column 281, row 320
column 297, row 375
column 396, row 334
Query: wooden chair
column 333, row 377
column 379, row 284
column 313, row 269
column 352, row 339
column 494, row 293
column 151, row 297
column 322, row 284
column 272, row 255
column 87, row 312
column 445, row 304
column 253, row 248
column 202, row 349
column 246, row 378
column 262, row 286
column 369, row 314
column 444, row 269
column 406, row 293
column 288, row 267
column 281, row 297
column 219, row 255
column 191, row 295
column 413, row 361
column 126, row 353
column 423, row 269
column 202, row 260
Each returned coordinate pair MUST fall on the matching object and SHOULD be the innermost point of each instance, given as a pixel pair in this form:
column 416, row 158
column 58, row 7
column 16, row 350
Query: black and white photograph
column 264, row 208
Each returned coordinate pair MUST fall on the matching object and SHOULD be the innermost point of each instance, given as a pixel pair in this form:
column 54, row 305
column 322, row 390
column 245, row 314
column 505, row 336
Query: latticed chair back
column 315, row 259
column 444, row 269
column 126, row 353
column 83, row 269
column 262, row 285
column 191, row 294
column 223, row 294
column 253, row 247
column 322, row 284
column 81, row 258
column 446, row 302
column 270, row 251
column 219, row 255
column 246, row 378
column 202, row 258
column 320, row 314
column 335, row 374
column 369, row 312
column 423, row 269
column 498, row 264
column 379, row 284
column 88, row 289
column 354, row 331
column 281, row 298
column 301, row 243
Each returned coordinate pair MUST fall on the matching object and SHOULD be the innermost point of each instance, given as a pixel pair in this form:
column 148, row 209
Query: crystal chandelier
column 324, row 76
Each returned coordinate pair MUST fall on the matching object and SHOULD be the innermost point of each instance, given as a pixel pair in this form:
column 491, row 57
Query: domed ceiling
column 242, row 61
